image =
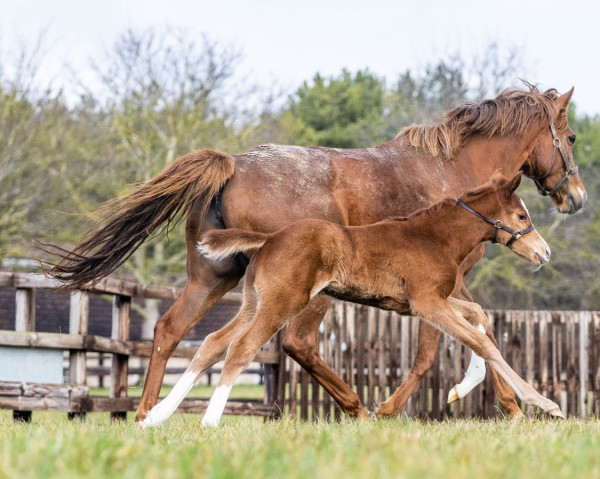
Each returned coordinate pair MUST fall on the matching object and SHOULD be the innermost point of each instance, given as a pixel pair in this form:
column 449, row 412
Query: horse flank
column 220, row 244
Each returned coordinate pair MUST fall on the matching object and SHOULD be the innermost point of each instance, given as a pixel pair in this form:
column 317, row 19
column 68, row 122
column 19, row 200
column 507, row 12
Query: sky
column 289, row 42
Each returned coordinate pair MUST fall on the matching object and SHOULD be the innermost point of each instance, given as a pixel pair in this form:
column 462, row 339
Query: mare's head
column 497, row 204
column 551, row 165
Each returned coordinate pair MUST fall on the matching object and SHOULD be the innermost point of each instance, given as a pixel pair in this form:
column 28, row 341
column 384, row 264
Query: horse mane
column 425, row 211
column 469, row 196
column 510, row 113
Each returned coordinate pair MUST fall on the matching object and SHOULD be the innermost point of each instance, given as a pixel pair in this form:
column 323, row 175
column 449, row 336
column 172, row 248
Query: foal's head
column 510, row 224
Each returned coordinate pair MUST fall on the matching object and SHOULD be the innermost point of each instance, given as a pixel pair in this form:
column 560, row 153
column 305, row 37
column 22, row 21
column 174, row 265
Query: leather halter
column 498, row 225
column 568, row 171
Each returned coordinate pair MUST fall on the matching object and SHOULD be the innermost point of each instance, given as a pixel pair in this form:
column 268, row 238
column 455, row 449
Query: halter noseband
column 498, row 225
column 568, row 171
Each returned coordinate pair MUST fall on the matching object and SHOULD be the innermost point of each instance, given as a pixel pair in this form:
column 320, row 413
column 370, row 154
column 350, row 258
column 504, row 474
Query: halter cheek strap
column 568, row 171
column 498, row 225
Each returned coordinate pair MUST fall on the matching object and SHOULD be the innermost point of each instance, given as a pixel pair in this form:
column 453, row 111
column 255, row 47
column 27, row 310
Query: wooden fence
column 558, row 352
column 74, row 397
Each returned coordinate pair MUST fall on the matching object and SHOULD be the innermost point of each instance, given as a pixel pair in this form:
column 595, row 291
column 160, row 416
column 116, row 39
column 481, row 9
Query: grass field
column 53, row 447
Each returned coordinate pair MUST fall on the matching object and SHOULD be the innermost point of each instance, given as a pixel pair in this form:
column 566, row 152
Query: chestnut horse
column 273, row 185
column 400, row 264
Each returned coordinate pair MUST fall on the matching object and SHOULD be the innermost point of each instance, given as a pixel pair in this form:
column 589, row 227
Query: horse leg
column 270, row 316
column 197, row 298
column 475, row 315
column 301, row 342
column 211, row 351
column 441, row 314
column 428, row 340
column 427, row 345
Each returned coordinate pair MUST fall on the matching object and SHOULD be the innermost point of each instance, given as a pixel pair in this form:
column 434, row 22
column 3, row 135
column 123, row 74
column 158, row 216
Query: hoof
column 453, row 395
column 372, row 416
column 556, row 412
column 516, row 416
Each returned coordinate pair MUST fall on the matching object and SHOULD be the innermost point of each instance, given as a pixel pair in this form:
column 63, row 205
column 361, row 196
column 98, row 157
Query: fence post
column 121, row 316
column 24, row 321
column 272, row 378
column 25, row 309
column 583, row 363
column 79, row 312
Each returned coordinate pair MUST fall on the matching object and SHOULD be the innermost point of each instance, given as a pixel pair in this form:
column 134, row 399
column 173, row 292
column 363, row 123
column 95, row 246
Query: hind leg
column 301, row 342
column 211, row 351
column 428, row 340
column 269, row 318
column 207, row 283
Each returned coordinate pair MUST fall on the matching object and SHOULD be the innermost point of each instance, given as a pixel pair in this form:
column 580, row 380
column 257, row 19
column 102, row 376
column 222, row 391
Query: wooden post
column 79, row 312
column 595, row 365
column 25, row 310
column 272, row 377
column 121, row 316
column 24, row 321
column 583, row 363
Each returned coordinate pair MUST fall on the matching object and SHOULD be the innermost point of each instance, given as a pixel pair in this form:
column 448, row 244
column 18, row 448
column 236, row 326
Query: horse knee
column 301, row 351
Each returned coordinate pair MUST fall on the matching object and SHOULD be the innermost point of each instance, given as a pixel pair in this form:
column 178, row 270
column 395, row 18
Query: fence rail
column 558, row 352
column 73, row 397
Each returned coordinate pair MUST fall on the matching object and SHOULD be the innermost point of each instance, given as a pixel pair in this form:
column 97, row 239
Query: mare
column 271, row 186
column 405, row 264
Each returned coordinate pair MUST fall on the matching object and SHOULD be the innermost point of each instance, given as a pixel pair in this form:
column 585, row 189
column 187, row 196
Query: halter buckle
column 498, row 224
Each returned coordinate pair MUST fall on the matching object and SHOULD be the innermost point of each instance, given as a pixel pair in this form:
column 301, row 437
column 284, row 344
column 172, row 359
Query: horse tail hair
column 219, row 244
column 151, row 209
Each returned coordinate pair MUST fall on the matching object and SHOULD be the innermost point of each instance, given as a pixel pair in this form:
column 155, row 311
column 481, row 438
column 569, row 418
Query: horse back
column 275, row 185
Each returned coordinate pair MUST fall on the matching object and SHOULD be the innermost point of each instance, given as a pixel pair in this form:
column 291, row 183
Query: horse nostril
column 548, row 253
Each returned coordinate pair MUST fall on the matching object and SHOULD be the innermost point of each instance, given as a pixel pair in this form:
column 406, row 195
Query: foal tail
column 219, row 244
column 150, row 209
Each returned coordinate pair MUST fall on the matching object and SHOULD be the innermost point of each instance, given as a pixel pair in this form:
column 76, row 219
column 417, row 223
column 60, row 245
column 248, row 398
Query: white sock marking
column 165, row 409
column 475, row 375
column 216, row 405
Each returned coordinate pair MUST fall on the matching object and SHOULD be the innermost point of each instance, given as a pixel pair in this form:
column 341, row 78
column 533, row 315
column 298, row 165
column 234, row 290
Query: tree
column 343, row 111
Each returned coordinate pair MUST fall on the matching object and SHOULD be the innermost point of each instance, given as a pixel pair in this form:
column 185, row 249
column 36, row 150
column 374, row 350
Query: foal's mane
column 490, row 186
column 510, row 113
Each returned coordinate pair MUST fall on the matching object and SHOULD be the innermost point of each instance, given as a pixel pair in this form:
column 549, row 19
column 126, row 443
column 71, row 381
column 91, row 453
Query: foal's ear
column 514, row 183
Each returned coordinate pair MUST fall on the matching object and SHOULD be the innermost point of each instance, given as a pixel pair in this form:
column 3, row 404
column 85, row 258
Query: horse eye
column 522, row 217
column 572, row 139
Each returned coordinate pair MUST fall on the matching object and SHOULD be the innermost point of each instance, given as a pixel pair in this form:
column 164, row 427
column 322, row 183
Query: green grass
column 52, row 447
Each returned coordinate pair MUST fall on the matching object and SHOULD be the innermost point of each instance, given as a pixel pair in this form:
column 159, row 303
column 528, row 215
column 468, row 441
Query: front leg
column 473, row 313
column 439, row 313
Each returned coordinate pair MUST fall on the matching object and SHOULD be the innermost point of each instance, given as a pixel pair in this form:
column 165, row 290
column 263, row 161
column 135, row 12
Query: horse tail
column 219, row 244
column 152, row 208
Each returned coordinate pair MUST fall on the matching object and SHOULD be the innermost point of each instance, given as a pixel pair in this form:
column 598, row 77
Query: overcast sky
column 290, row 41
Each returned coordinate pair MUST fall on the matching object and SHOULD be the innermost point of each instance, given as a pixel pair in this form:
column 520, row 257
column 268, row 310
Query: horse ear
column 563, row 101
column 515, row 182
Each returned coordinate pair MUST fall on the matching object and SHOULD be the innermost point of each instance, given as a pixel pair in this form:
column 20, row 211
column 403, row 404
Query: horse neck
column 484, row 155
column 456, row 228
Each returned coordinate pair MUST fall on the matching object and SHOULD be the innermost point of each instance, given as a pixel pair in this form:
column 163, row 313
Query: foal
column 401, row 264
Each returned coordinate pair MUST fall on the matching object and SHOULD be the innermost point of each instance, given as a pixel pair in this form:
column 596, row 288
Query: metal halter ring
column 498, row 225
